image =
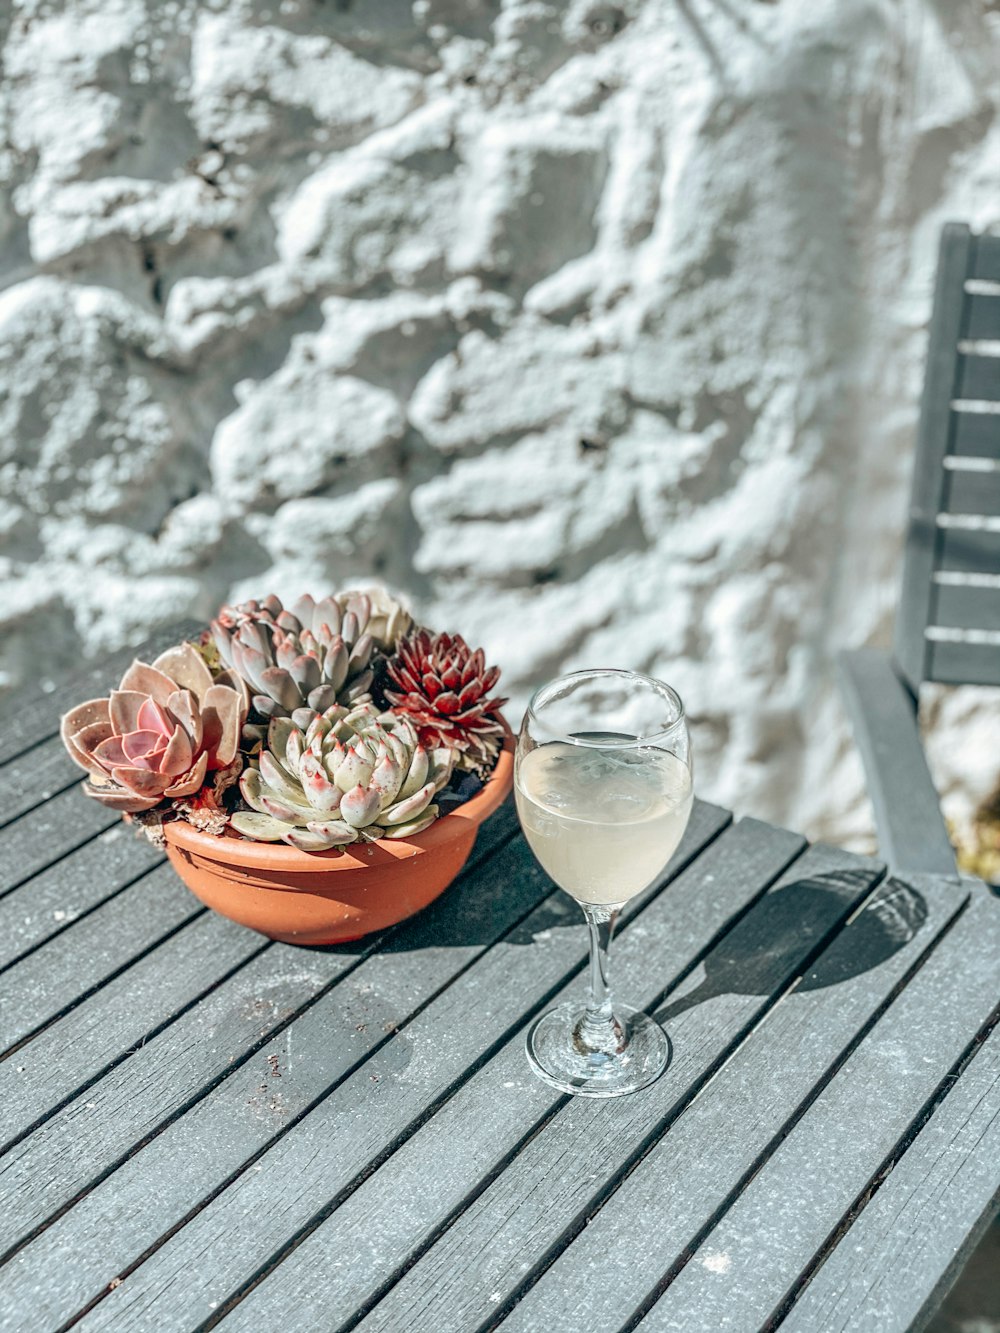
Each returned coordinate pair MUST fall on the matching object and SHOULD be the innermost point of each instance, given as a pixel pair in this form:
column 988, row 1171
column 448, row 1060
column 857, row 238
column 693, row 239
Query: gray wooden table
column 201, row 1128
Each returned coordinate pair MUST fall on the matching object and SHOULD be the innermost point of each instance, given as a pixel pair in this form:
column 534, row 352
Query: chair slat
column 967, row 606
column 973, row 492
column 979, row 378
column 986, row 260
column 964, row 663
column 975, row 434
column 971, row 550
column 936, row 426
column 982, row 315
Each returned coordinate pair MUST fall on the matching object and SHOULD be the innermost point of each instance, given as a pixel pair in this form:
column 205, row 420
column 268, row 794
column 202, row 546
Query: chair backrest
column 948, row 626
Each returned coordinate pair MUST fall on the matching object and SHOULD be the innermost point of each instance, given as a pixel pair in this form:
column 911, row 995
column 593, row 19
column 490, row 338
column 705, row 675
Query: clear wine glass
column 602, row 781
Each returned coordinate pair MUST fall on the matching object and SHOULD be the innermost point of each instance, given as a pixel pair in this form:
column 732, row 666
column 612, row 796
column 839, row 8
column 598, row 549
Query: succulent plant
column 388, row 619
column 348, row 775
column 159, row 733
column 443, row 687
column 311, row 656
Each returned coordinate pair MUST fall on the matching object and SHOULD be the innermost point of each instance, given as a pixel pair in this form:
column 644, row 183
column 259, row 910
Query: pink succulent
column 159, row 733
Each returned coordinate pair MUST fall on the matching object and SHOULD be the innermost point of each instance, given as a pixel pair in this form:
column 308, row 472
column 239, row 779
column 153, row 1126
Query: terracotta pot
column 329, row 897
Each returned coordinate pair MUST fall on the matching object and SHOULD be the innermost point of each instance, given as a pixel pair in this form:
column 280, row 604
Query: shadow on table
column 768, row 944
column 472, row 914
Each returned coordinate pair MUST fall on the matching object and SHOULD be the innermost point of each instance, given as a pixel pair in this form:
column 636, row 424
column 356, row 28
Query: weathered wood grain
column 563, row 1174
column 43, row 772
column 366, row 1115
column 470, row 1138
column 53, row 899
column 55, row 977
column 169, row 1072
column 39, row 838
column 31, row 714
column 968, row 606
column 965, row 664
column 749, row 1263
column 975, row 434
column 686, row 1179
column 936, row 424
column 901, row 1255
column 911, row 829
column 120, row 1017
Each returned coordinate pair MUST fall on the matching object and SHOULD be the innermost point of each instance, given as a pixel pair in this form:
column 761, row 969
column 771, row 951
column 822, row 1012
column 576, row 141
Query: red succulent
column 443, row 687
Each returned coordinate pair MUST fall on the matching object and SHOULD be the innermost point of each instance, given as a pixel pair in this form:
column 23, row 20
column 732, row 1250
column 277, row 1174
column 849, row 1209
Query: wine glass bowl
column 602, row 782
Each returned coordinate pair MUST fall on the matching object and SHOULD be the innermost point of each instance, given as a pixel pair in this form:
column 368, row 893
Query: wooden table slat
column 35, row 777
column 200, row 1127
column 49, row 832
column 56, row 898
column 740, row 1271
column 368, row 1114
column 165, row 1075
column 31, row 715
column 911, row 1239
column 680, row 1187
column 91, row 1039
column 562, row 1176
column 504, row 1100
column 55, row 977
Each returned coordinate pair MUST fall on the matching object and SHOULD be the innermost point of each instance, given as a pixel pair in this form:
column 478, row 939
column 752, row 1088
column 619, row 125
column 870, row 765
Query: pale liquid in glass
column 602, row 822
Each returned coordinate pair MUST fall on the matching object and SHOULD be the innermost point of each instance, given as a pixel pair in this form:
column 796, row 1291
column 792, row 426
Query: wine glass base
column 563, row 1063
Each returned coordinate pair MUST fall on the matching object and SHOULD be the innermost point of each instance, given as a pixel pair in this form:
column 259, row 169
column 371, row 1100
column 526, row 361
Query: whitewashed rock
column 301, row 431
column 535, row 377
column 596, row 328
column 530, row 199
column 87, row 425
column 362, row 526
column 530, row 513
column 252, row 84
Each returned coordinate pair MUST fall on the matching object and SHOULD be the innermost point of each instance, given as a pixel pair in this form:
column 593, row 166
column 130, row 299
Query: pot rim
column 234, row 850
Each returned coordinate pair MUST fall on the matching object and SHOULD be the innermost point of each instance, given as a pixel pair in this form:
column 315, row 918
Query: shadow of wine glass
column 765, row 949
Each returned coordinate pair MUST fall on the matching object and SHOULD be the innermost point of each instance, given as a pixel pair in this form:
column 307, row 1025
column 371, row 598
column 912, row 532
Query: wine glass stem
column 598, row 1029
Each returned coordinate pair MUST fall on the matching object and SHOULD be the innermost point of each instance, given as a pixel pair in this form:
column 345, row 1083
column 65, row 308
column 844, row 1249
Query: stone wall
column 595, row 328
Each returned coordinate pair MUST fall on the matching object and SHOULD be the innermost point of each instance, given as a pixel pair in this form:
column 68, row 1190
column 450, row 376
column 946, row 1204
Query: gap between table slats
column 949, row 1082
column 426, row 927
column 861, row 1119
column 503, row 1103
column 34, row 778
column 926, row 1215
column 659, row 1212
column 103, row 1031
column 447, row 1008
column 83, row 1043
column 54, row 900
column 65, row 971
column 327, row 969
column 477, row 1266
column 42, row 837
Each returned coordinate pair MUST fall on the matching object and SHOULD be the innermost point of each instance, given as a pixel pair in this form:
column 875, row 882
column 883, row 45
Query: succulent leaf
column 261, row 828
column 156, row 736
column 413, row 805
column 314, row 654
column 443, row 687
column 368, row 769
column 414, row 826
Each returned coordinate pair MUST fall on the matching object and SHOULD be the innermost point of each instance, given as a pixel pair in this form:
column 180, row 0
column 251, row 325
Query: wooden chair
column 948, row 625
